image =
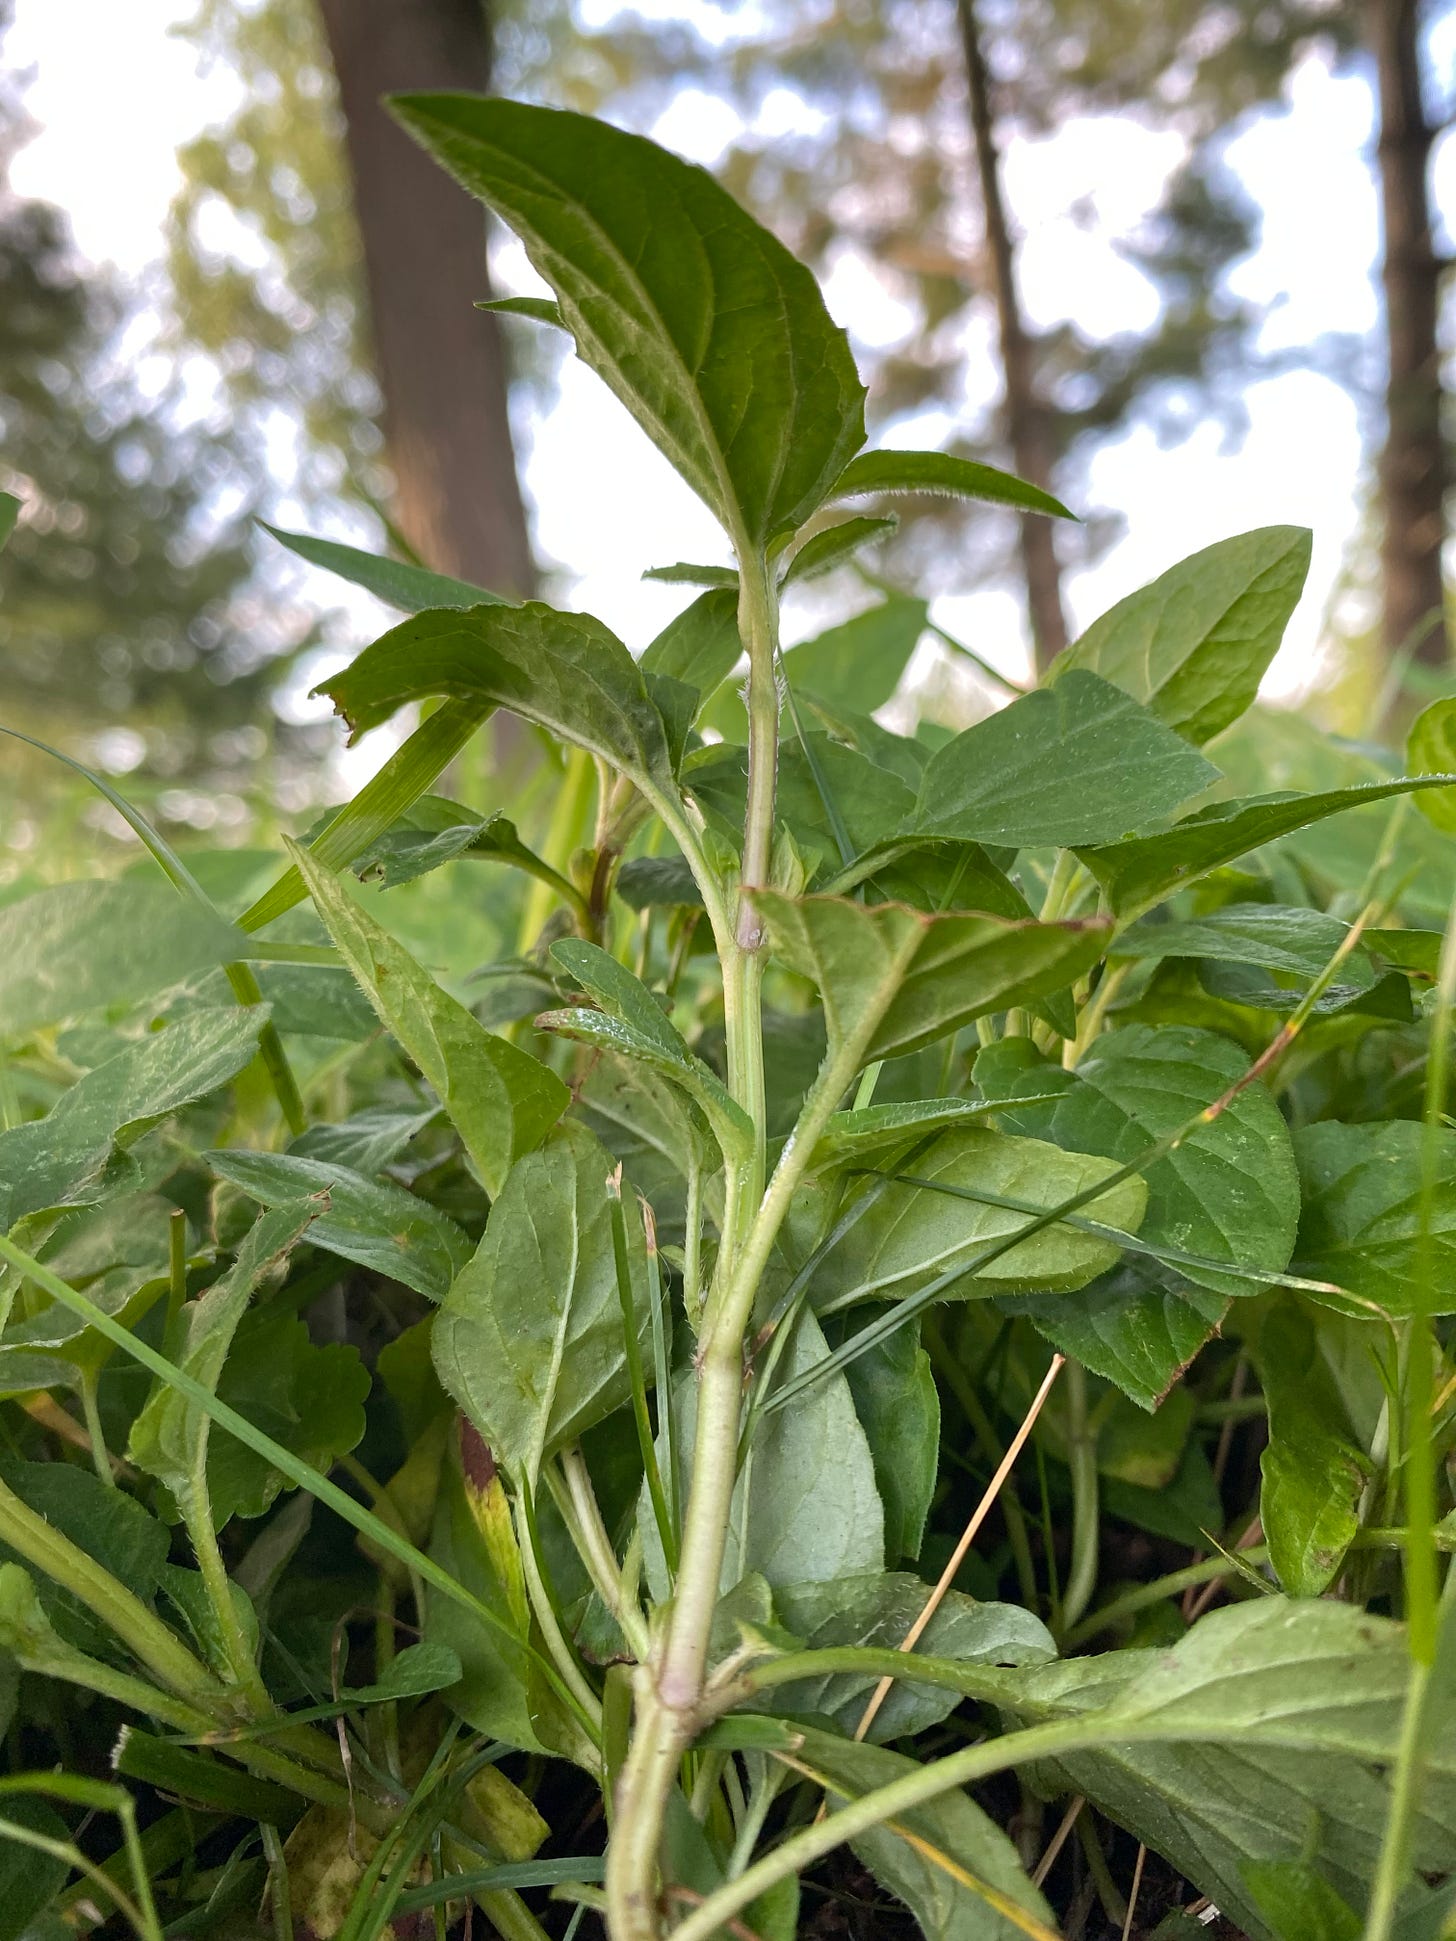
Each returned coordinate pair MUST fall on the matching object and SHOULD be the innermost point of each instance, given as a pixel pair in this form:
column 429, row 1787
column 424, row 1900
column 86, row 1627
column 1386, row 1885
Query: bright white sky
column 116, row 95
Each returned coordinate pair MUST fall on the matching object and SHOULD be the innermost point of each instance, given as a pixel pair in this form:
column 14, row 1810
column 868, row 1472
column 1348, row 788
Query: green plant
column 824, row 1080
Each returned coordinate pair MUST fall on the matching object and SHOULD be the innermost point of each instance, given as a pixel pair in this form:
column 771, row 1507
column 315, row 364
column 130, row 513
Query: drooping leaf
column 880, row 1611
column 941, row 472
column 68, row 950
column 1313, row 1470
column 412, row 589
column 1076, row 763
column 1289, row 1712
column 630, row 1021
column 1360, row 1225
column 898, row 1406
column 1194, row 645
column 500, row 1100
column 1140, row 871
column 62, row 1159
column 529, row 1341
column 832, row 545
column 946, row 1908
column 899, row 979
column 372, row 1222
column 368, row 1141
column 914, row 1235
column 1228, row 1192
column 712, row 335
column 564, row 671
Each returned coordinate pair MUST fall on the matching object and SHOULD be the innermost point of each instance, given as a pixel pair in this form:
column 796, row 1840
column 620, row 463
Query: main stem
column 670, row 1685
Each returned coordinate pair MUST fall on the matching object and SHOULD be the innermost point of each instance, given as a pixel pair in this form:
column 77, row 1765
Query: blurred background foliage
column 307, row 347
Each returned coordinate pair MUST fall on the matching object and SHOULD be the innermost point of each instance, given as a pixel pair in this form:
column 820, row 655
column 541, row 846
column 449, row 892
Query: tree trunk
column 440, row 361
column 1025, row 416
column 1413, row 470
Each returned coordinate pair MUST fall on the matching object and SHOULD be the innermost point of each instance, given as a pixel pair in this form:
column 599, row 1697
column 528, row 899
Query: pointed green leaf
column 372, row 1222
column 940, row 472
column 829, row 548
column 60, row 1160
column 564, row 671
column 500, row 1100
column 858, row 1136
column 1230, row 1191
column 1142, row 870
column 630, row 1021
column 701, row 647
column 1314, row 1474
column 1431, row 750
column 538, row 309
column 1274, row 936
column 1361, row 1221
column 412, row 589
column 945, row 1908
column 900, row 979
column 704, row 326
column 685, row 573
column 1079, row 762
column 529, row 1341
column 913, row 1236
column 367, row 1142
column 1194, row 645
column 70, row 949
column 898, row 1405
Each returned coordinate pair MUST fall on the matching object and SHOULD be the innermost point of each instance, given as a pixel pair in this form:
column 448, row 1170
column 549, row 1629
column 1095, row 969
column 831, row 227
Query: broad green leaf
column 1276, row 937
column 898, row 1406
column 895, row 979
column 309, row 1399
column 658, row 882
column 564, row 671
column 1229, row 1192
column 1314, row 1473
column 1299, row 1904
column 914, row 1235
column 805, row 1506
column 529, row 1341
column 940, row 472
column 1194, row 645
column 1431, row 750
column 111, row 1527
column 880, row 1610
column 412, row 589
column 372, row 1222
column 1361, row 1221
column 407, row 774
column 1080, row 762
column 704, row 326
column 61, row 1159
column 946, row 1908
column 702, row 646
column 170, row 1437
column 830, row 547
column 500, row 1100
column 1141, row 871
column 901, row 754
column 119, row 1253
column 74, row 948
column 1291, row 1711
column 367, row 1142
column 630, row 1021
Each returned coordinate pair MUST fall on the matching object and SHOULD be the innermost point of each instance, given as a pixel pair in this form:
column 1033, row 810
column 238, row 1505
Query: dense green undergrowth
column 518, row 1318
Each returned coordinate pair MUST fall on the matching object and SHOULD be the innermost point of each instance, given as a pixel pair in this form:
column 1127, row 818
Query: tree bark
column 1027, row 431
column 440, row 361
column 1413, row 466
